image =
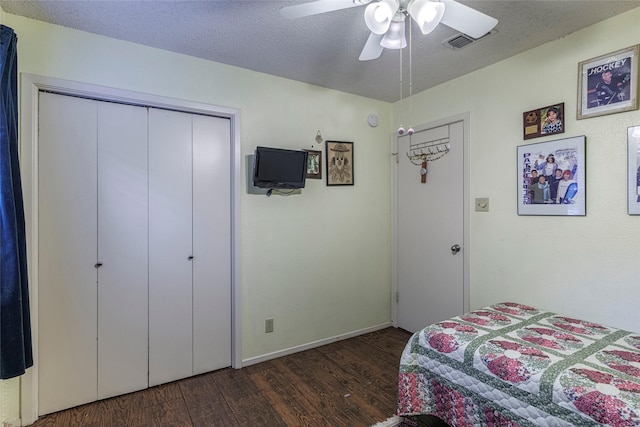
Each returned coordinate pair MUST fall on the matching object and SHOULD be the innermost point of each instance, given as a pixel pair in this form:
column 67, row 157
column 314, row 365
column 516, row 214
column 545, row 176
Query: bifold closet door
column 211, row 243
column 122, row 249
column 170, row 246
column 189, row 245
column 67, row 241
column 93, row 268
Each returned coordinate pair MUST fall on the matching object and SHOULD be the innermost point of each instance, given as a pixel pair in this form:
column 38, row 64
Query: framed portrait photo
column 543, row 121
column 633, row 141
column 339, row 163
column 608, row 84
column 551, row 178
column 314, row 164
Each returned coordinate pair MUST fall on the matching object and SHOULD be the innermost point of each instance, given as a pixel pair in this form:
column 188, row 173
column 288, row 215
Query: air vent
column 462, row 40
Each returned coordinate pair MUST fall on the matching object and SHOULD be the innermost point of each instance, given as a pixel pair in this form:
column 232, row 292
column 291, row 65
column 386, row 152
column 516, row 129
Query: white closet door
column 122, row 249
column 67, row 317
column 211, row 243
column 170, row 228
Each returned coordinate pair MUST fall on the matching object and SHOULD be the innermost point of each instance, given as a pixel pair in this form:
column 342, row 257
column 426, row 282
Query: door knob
column 190, row 257
column 98, row 265
column 455, row 249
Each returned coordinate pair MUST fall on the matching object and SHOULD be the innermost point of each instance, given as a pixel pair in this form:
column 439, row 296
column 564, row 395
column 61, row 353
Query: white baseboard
column 263, row 358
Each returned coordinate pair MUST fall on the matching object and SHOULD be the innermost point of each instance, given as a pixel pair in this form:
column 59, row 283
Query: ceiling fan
column 386, row 19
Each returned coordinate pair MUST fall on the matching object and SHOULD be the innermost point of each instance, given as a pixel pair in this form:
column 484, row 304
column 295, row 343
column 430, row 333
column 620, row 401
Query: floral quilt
column 511, row 365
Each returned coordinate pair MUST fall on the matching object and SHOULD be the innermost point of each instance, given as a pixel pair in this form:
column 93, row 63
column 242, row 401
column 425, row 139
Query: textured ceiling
column 323, row 49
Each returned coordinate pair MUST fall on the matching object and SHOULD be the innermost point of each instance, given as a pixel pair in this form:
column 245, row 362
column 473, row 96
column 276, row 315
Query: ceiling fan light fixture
column 426, row 13
column 379, row 15
column 394, row 38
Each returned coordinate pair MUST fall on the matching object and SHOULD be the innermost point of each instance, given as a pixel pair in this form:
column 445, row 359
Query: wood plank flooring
column 347, row 383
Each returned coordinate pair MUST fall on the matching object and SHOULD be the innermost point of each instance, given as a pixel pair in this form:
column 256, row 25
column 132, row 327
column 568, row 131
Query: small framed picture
column 608, row 84
column 339, row 163
column 551, row 178
column 314, row 164
column 543, row 121
column 633, row 141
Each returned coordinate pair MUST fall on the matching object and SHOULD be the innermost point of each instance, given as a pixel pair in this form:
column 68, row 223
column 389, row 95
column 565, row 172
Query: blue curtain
column 15, row 323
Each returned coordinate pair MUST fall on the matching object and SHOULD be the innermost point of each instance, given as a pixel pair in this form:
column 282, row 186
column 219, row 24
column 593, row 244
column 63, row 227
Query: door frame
column 31, row 85
column 464, row 118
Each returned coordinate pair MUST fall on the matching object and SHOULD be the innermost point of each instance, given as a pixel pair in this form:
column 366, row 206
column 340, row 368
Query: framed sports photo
column 608, row 84
column 633, row 141
column 543, row 121
column 551, row 178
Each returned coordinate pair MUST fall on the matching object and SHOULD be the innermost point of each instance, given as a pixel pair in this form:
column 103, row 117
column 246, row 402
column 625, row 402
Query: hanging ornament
column 401, row 130
column 410, row 131
column 423, row 170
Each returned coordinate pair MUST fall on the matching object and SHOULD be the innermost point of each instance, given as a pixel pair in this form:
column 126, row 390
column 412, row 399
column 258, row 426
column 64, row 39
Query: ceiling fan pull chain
column 410, row 130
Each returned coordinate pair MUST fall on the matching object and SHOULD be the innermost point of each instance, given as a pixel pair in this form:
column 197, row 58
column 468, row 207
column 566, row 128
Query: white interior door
column 170, row 246
column 211, row 243
column 122, row 249
column 67, row 311
column 429, row 223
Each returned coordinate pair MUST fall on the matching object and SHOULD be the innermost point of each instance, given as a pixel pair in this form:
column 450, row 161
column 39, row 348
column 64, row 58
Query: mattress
column 510, row 364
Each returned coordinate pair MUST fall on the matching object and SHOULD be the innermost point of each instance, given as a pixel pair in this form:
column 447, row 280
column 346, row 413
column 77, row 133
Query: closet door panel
column 67, row 315
column 170, row 228
column 122, row 249
column 211, row 243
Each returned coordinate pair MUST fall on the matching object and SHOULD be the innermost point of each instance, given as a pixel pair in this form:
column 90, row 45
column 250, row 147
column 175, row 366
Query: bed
column 514, row 365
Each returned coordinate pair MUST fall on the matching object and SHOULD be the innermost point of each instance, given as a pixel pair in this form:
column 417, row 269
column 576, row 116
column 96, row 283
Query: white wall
column 319, row 263
column 584, row 266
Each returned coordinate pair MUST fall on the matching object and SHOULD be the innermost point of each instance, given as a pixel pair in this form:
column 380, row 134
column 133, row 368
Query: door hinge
column 397, row 296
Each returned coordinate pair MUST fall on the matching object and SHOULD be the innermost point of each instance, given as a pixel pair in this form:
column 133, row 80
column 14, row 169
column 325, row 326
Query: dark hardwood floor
column 347, row 383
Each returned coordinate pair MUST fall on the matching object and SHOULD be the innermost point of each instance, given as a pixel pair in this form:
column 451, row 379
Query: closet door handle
column 190, row 257
column 98, row 265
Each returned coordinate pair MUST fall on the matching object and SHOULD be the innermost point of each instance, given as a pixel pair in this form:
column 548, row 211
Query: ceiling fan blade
column 372, row 48
column 467, row 20
column 317, row 7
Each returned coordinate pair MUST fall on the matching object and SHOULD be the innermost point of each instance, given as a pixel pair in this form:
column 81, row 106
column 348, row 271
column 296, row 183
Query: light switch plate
column 482, row 204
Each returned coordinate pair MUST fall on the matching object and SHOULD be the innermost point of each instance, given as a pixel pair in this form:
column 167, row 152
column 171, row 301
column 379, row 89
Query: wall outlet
column 268, row 326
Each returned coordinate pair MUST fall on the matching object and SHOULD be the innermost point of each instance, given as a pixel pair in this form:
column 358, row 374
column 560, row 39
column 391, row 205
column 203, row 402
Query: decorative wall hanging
column 608, row 84
column 314, row 164
column 633, row 141
column 551, row 178
column 420, row 153
column 543, row 121
column 340, row 163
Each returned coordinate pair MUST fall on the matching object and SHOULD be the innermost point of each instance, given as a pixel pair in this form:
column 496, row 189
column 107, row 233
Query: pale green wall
column 9, row 400
column 341, row 282
column 585, row 266
column 319, row 263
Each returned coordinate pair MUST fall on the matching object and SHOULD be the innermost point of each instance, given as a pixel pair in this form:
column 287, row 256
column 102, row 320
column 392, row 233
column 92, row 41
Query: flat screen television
column 279, row 168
